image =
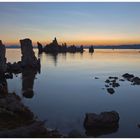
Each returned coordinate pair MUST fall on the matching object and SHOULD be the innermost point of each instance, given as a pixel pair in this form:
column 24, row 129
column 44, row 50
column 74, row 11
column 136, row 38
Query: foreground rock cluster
column 17, row 121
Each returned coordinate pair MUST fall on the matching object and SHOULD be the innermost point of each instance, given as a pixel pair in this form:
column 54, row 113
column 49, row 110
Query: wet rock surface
column 17, row 121
column 110, row 90
column 128, row 76
column 131, row 78
column 113, row 82
column 104, row 123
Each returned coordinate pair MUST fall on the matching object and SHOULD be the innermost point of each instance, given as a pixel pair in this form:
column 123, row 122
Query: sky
column 74, row 23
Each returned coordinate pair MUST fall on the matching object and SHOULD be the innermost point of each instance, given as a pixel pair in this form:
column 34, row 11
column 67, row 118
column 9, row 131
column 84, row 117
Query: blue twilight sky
column 78, row 23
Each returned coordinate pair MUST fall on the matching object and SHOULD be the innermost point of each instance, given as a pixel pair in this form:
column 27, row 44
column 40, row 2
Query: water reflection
column 53, row 56
column 28, row 77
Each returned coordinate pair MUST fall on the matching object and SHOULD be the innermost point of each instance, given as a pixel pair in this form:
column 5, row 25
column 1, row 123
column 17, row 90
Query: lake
column 66, row 89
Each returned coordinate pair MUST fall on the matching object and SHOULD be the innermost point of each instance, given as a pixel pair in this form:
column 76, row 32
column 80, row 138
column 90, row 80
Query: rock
column 103, row 120
column 96, row 77
column 128, row 76
column 136, row 81
column 74, row 134
column 121, row 80
column 35, row 129
column 91, row 49
column 113, row 77
column 40, row 47
column 106, row 85
column 96, row 132
column 15, row 68
column 3, row 85
column 110, row 90
column 107, row 81
column 12, row 103
column 113, row 81
column 2, row 58
column 54, row 134
column 28, row 56
column 115, row 85
column 54, row 48
column 9, row 76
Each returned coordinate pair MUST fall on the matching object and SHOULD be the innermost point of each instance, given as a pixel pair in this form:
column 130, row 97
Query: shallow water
column 66, row 89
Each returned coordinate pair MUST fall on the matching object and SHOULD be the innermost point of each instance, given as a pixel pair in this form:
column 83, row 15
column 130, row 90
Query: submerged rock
column 115, row 84
column 111, row 77
column 110, row 90
column 96, row 77
column 107, row 81
column 136, row 81
column 128, row 76
column 121, row 80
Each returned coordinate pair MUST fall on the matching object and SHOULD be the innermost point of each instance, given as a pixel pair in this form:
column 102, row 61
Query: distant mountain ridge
column 134, row 46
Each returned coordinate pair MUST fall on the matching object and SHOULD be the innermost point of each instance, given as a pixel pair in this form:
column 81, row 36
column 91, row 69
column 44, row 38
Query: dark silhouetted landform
column 133, row 46
column 55, row 47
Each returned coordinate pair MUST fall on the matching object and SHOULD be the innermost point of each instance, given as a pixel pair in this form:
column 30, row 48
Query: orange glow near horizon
column 78, row 42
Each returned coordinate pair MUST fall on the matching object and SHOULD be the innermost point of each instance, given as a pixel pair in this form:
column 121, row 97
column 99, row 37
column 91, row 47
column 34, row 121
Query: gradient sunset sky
column 73, row 23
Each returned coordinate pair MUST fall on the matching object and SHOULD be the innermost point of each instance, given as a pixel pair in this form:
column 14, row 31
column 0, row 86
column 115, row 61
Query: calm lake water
column 66, row 89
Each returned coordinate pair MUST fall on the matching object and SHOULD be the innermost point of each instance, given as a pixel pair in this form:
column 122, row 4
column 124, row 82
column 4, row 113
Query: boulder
column 110, row 90
column 96, row 132
column 103, row 120
column 136, row 81
column 128, row 76
column 114, row 84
